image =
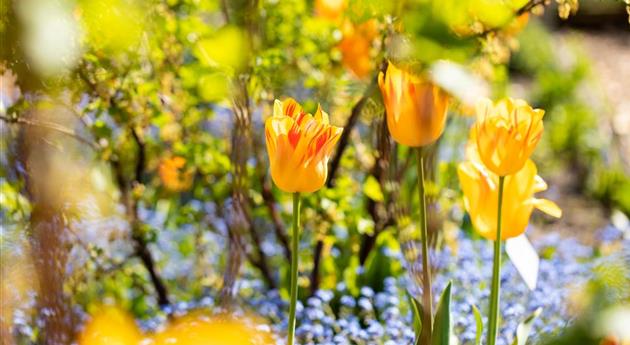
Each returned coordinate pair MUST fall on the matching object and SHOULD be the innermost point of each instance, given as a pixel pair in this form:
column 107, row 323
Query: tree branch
column 344, row 140
column 349, row 126
column 141, row 247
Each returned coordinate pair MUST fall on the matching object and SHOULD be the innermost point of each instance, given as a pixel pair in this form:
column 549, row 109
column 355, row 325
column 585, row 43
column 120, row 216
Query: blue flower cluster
column 564, row 267
column 384, row 318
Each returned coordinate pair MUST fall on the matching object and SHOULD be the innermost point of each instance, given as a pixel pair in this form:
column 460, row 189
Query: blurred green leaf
column 372, row 188
column 525, row 327
column 226, row 49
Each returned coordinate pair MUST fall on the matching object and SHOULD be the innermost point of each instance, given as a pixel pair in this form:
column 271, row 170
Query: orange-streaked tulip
column 416, row 108
column 111, row 326
column 299, row 146
column 481, row 195
column 197, row 329
column 507, row 133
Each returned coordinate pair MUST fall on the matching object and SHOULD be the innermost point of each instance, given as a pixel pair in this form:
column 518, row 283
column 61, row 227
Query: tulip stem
column 496, row 275
column 427, row 297
column 295, row 244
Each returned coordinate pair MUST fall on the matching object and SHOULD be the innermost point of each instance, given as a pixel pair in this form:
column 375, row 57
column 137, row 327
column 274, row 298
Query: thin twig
column 278, row 226
column 349, row 126
column 319, row 247
column 529, row 6
column 344, row 140
column 51, row 126
column 379, row 211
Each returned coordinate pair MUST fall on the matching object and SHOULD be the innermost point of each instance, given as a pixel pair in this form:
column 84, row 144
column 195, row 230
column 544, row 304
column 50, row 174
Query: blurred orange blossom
column 357, row 38
column 173, row 175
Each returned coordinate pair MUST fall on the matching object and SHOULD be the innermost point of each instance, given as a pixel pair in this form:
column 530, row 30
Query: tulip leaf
column 418, row 311
column 525, row 327
column 443, row 327
column 478, row 324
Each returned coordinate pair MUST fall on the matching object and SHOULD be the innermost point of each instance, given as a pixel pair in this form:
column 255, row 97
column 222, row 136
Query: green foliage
column 417, row 312
column 612, row 186
column 161, row 81
column 478, row 325
column 382, row 262
column 443, row 328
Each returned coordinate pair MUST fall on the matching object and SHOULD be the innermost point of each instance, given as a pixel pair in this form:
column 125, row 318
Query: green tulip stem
column 496, row 275
column 427, row 298
column 295, row 244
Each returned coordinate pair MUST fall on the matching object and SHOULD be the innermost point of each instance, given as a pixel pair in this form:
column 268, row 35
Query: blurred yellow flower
column 111, row 326
column 173, row 176
column 481, row 194
column 416, row 109
column 199, row 329
column 299, row 146
column 507, row 133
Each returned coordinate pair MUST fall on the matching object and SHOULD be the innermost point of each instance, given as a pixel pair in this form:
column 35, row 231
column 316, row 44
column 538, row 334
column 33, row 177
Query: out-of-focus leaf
column 350, row 275
column 226, row 49
column 525, row 258
column 113, row 25
column 525, row 327
column 213, row 87
column 372, row 189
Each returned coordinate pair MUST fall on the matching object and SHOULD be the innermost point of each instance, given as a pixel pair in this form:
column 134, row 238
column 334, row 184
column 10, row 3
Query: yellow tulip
column 416, row 109
column 111, row 326
column 507, row 133
column 299, row 146
column 481, row 195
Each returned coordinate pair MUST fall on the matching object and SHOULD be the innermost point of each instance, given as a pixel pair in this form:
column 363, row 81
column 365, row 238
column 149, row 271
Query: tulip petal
column 321, row 116
column 539, row 184
column 547, row 206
